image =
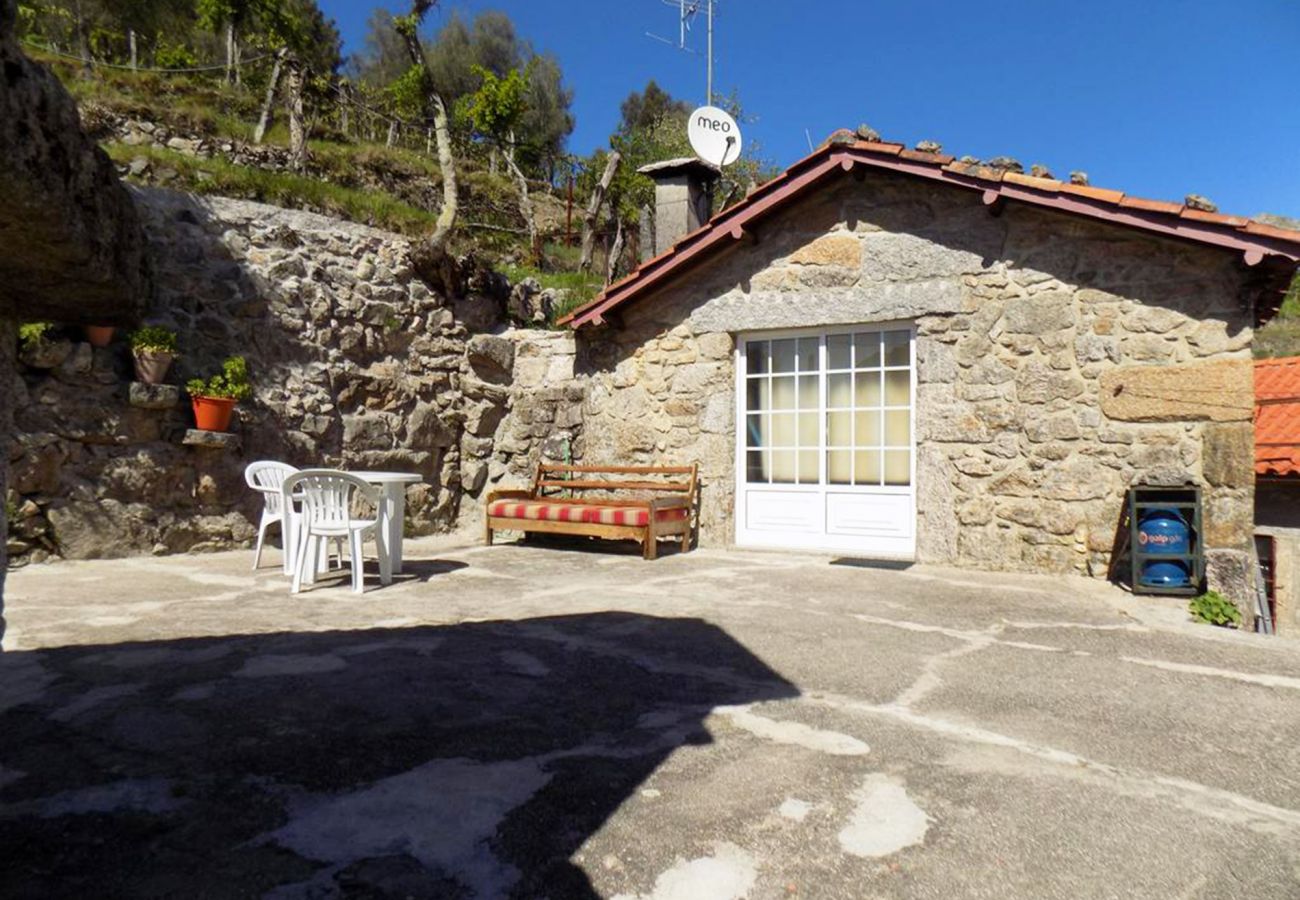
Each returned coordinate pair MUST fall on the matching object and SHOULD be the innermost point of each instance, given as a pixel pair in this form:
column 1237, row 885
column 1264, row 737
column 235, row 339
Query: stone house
column 887, row 352
column 1277, row 485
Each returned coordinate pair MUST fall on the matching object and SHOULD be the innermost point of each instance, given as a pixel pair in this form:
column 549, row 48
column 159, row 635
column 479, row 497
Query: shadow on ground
column 459, row 761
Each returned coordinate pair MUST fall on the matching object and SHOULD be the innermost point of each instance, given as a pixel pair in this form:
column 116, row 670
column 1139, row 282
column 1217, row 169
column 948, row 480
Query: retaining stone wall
column 355, row 361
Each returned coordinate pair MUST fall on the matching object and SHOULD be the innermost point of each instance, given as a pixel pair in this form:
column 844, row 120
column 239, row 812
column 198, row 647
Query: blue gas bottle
column 1164, row 532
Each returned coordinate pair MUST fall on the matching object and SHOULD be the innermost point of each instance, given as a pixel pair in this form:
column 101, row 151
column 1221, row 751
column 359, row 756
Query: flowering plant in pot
column 214, row 398
column 153, row 348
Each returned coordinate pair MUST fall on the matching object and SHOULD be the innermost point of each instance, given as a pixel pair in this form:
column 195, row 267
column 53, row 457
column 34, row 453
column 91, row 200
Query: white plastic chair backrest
column 327, row 494
column 268, row 476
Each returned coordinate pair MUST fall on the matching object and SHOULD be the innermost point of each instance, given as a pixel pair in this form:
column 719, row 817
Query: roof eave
column 1254, row 241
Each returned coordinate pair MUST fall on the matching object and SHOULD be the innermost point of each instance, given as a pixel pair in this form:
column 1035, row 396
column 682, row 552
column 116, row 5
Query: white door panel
column 783, row 511
column 887, row 515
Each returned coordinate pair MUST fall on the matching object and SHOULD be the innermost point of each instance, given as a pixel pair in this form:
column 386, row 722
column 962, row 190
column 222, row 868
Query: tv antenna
column 687, row 11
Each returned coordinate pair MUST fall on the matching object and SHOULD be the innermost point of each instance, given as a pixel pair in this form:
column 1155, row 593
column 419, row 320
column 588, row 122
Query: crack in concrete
column 1264, row 679
column 1215, row 803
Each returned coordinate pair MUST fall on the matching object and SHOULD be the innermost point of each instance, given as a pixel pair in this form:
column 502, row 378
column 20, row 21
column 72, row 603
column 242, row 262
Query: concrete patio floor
column 539, row 722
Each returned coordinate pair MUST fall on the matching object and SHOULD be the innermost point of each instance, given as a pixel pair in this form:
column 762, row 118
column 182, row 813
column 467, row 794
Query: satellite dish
column 715, row 136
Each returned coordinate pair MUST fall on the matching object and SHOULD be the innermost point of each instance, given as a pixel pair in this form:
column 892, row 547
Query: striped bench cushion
column 568, row 511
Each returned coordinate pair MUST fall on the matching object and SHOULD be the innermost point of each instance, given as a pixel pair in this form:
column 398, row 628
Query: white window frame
column 745, row 539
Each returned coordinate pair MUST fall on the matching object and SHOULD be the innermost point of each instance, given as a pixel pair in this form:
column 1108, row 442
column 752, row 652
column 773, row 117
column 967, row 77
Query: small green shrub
column 32, row 333
column 232, row 382
column 174, row 56
column 1214, row 608
column 154, row 339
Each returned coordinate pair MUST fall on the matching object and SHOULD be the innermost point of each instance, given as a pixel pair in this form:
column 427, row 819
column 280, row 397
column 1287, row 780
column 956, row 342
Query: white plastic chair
column 267, row 477
column 327, row 501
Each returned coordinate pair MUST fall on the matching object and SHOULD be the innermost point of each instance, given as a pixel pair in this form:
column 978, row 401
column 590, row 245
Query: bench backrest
column 600, row 479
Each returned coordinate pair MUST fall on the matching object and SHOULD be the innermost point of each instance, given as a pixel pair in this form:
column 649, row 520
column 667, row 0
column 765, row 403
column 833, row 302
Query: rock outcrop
column 71, row 247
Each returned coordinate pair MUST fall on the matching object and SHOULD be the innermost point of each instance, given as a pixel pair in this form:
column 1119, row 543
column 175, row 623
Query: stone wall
column 540, row 416
column 1044, row 349
column 356, row 362
column 70, row 241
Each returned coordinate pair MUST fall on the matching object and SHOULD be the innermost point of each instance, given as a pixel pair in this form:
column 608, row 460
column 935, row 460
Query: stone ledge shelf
column 211, row 440
column 154, row 396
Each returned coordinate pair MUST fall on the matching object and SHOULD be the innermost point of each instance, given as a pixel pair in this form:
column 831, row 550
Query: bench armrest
column 671, row 502
column 508, row 494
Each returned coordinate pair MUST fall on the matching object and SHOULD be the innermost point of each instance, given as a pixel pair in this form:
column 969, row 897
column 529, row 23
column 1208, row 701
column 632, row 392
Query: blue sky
column 1158, row 98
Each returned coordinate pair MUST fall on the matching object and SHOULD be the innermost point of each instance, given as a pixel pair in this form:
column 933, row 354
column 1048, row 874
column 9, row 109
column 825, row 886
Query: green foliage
column 645, row 111
column 232, row 382
column 27, row 17
column 154, row 339
column 407, row 93
column 579, row 287
column 32, row 333
column 174, row 56
column 222, row 178
column 407, row 25
column 216, row 14
column 1281, row 336
column 496, row 108
column 1291, row 302
column 1214, row 608
column 454, row 56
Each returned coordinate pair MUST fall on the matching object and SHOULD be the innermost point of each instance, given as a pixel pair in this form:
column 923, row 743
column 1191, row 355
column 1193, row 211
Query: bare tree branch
column 592, row 213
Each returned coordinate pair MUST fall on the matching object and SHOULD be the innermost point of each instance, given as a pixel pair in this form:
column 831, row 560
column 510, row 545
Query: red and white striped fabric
column 565, row 511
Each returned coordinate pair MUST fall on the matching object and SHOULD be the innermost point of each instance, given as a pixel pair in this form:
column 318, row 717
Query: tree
column 385, row 58
column 652, row 128
column 547, row 121
column 230, row 16
column 297, row 28
column 594, row 203
column 496, row 110
column 433, row 249
column 645, row 111
column 489, row 42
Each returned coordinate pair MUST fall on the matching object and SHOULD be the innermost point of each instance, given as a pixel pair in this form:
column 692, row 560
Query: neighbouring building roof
column 1255, row 240
column 1277, row 416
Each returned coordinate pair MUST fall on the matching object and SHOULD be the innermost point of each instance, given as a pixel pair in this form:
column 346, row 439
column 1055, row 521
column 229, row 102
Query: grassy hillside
column 396, row 188
column 1281, row 337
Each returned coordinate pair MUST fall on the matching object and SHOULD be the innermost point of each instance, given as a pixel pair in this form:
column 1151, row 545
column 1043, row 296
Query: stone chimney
column 683, row 201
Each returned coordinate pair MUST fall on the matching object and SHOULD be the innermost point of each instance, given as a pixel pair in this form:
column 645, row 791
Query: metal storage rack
column 1183, row 499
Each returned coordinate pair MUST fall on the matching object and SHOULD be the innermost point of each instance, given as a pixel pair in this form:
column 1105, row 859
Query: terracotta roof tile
column 1200, row 215
column 938, row 159
column 879, row 147
column 1253, row 227
column 1093, row 193
column 1033, row 181
column 1277, row 416
column 1215, row 229
column 976, row 170
column 1159, row 206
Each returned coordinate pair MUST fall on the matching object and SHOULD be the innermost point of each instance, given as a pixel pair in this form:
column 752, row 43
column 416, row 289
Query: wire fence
column 100, row 64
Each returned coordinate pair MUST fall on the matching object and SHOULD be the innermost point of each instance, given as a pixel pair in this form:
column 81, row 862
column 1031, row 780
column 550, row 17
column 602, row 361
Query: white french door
column 825, row 455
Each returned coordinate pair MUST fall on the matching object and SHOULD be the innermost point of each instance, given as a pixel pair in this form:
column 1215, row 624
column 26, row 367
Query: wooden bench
column 644, row 503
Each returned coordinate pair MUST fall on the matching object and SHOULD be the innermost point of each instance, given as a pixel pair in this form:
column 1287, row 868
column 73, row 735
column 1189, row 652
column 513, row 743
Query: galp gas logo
column 1160, row 540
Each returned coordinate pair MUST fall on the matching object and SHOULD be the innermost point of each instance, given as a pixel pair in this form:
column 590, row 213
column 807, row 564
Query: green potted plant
column 153, row 348
column 214, row 398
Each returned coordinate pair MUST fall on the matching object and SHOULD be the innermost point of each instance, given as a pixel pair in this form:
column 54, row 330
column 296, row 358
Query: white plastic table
column 392, row 516
column 392, row 511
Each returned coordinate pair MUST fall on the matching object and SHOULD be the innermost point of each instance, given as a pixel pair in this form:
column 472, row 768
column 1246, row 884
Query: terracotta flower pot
column 99, row 335
column 213, row 413
column 151, row 365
